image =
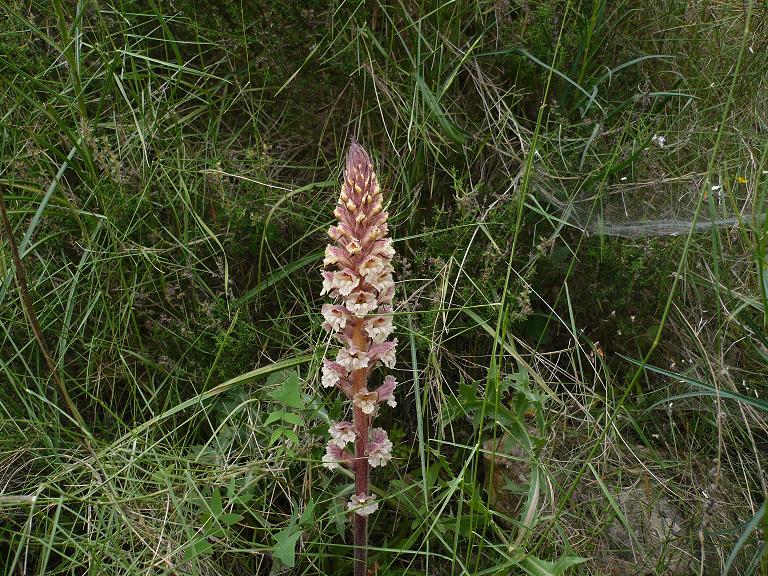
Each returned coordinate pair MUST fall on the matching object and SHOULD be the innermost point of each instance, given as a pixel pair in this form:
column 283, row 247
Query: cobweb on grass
column 658, row 208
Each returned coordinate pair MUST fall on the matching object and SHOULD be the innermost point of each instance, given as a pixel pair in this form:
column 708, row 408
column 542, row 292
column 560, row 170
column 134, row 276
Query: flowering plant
column 358, row 276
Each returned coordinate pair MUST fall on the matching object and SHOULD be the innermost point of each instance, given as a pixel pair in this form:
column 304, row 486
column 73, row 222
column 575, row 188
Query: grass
column 571, row 401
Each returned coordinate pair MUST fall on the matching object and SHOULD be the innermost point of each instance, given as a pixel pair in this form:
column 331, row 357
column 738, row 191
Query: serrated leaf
column 467, row 392
column 285, row 545
column 289, row 392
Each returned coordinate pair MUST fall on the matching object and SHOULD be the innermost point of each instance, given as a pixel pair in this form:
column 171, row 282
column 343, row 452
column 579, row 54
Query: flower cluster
column 357, row 274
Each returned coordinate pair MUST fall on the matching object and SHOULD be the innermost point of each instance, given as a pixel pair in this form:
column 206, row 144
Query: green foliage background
column 169, row 169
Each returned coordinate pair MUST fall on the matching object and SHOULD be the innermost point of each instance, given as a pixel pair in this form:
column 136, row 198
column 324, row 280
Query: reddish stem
column 361, row 488
column 361, row 421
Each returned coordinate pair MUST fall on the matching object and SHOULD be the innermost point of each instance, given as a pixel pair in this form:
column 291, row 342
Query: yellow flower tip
column 741, row 180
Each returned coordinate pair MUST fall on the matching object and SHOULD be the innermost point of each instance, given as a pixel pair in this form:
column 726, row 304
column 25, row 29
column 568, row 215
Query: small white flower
column 658, row 140
column 330, row 376
column 388, row 358
column 362, row 504
column 327, row 283
column 330, row 257
column 371, row 268
column 333, row 456
column 361, row 303
column 378, row 328
column 379, row 448
column 335, row 318
column 342, row 433
column 353, row 246
column 383, row 281
column 345, row 281
column 384, row 248
column 352, row 359
column 366, row 401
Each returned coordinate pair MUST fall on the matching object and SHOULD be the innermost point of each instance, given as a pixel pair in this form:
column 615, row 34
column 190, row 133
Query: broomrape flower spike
column 357, row 275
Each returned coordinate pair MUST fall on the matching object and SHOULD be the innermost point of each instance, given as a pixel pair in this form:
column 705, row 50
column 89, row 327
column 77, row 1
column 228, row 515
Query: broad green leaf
column 196, row 548
column 229, row 519
column 289, row 393
column 215, row 503
column 274, row 417
column 539, row 567
column 285, row 545
column 292, row 436
column 288, row 417
column 309, row 513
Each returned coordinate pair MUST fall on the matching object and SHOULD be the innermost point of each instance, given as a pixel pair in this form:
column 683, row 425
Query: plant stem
column 361, row 421
column 29, row 310
column 361, row 487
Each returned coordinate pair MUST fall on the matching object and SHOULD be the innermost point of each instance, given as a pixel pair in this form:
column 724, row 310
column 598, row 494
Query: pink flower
column 374, row 233
column 342, row 433
column 379, row 448
column 366, row 401
column 383, row 282
column 332, row 372
column 335, row 317
column 383, row 248
column 335, row 255
column 388, row 358
column 352, row 359
column 363, row 504
column 361, row 303
column 335, row 232
column 327, row 283
column 334, row 456
column 353, row 246
column 385, row 352
column 378, row 328
column 386, row 391
column 345, row 281
column 371, row 267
